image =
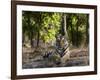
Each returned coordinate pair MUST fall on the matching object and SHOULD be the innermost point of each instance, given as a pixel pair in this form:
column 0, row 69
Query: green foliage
column 77, row 27
column 47, row 25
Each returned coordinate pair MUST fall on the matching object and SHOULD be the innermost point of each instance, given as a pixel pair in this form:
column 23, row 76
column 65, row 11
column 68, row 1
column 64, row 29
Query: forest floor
column 78, row 57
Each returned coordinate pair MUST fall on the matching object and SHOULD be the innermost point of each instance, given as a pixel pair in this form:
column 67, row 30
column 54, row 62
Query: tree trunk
column 38, row 33
column 38, row 36
column 62, row 27
column 65, row 27
column 77, row 37
column 77, row 42
column 30, row 33
column 31, row 39
column 72, row 39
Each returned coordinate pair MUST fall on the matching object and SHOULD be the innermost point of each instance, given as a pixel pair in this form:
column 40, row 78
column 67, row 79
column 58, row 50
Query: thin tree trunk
column 77, row 42
column 38, row 33
column 65, row 27
column 38, row 36
column 31, row 38
column 72, row 34
column 62, row 27
column 30, row 34
column 77, row 37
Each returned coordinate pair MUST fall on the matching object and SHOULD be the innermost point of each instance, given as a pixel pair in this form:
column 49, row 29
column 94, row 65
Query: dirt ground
column 78, row 57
